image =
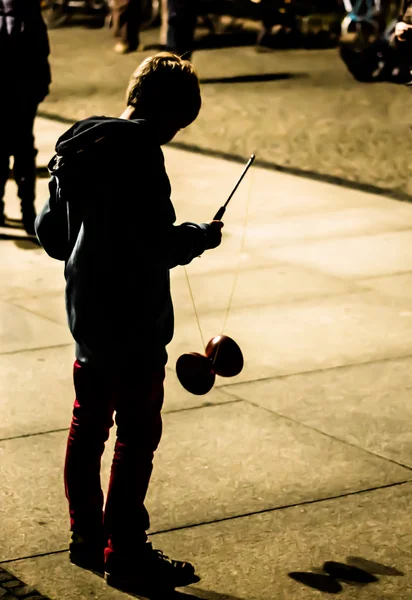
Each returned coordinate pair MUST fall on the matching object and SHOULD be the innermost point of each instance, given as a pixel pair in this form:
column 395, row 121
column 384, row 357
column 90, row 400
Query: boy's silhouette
column 110, row 219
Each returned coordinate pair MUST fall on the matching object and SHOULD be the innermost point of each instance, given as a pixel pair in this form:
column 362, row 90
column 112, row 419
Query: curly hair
column 164, row 85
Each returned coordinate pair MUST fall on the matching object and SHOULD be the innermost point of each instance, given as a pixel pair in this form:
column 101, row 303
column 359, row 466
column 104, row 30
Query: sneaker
column 121, row 48
column 28, row 218
column 149, row 572
column 87, row 555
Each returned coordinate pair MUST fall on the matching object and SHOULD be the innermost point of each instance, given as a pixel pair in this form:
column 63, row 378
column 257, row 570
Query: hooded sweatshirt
column 110, row 219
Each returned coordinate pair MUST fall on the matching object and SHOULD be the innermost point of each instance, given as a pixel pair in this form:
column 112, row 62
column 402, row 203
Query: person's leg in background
column 164, row 21
column 127, row 18
column 4, row 175
column 269, row 17
column 403, row 52
column 6, row 121
column 24, row 166
column 181, row 25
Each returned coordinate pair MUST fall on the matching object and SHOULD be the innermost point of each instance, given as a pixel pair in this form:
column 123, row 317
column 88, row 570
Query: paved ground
column 295, row 108
column 304, row 458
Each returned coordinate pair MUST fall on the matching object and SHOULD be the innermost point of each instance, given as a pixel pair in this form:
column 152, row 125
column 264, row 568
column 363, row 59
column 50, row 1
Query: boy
column 110, row 218
column 25, row 79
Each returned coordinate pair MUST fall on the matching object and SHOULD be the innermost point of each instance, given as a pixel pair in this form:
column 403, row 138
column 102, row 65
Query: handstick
column 218, row 216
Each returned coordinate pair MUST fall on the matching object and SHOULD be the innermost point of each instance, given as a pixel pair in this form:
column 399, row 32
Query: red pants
column 137, row 399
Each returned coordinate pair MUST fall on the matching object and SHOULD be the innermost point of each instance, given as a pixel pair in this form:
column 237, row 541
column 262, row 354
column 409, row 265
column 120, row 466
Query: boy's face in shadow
column 166, row 131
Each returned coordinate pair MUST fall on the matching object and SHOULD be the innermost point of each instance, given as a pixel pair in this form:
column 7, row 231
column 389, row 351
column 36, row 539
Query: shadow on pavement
column 358, row 571
column 254, row 78
column 373, row 567
column 194, row 593
column 22, row 241
column 317, row 581
column 203, row 594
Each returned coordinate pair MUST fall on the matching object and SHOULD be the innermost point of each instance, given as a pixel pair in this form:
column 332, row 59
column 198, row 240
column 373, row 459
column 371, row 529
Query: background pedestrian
column 25, row 79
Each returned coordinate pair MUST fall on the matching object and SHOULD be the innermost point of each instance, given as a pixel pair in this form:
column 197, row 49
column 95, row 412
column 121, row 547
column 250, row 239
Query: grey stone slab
column 26, row 270
column 305, row 228
column 250, row 558
column 398, row 287
column 213, row 463
column 37, row 392
column 51, row 305
column 366, row 405
column 46, row 133
column 12, row 202
column 204, row 183
column 358, row 257
column 22, row 330
column 252, row 287
column 280, row 339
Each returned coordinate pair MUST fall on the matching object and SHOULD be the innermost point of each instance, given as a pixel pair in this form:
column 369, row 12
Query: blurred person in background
column 127, row 18
column 403, row 35
column 25, row 79
column 270, row 15
column 181, row 25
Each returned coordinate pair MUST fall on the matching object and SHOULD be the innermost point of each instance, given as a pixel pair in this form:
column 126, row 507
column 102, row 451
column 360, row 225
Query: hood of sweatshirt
column 86, row 137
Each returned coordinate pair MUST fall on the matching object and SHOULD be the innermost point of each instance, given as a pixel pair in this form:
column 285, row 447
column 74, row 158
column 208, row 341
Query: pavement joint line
column 204, row 405
column 329, row 435
column 338, row 238
column 359, row 291
column 393, row 274
column 164, row 412
column 391, row 194
column 9, row 352
column 16, row 588
column 310, row 371
column 285, row 506
column 36, row 314
column 232, row 518
column 30, row 556
column 37, row 433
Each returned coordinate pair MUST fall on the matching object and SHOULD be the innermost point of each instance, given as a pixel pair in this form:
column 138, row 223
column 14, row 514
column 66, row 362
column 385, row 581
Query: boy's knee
column 143, row 437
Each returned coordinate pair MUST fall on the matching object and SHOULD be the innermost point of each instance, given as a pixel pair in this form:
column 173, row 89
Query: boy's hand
column 215, row 234
column 400, row 30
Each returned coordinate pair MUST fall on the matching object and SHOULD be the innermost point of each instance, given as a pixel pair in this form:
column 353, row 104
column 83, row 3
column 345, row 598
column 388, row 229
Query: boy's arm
column 51, row 225
column 161, row 240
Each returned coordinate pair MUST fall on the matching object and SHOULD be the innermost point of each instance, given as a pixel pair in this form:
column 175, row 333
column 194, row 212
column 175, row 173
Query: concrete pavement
column 298, row 109
column 305, row 457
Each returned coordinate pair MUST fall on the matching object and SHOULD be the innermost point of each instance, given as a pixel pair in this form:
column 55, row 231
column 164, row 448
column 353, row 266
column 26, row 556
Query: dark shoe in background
column 28, row 218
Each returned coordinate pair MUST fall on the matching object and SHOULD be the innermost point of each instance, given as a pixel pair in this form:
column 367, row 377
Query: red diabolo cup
column 197, row 372
column 226, row 356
